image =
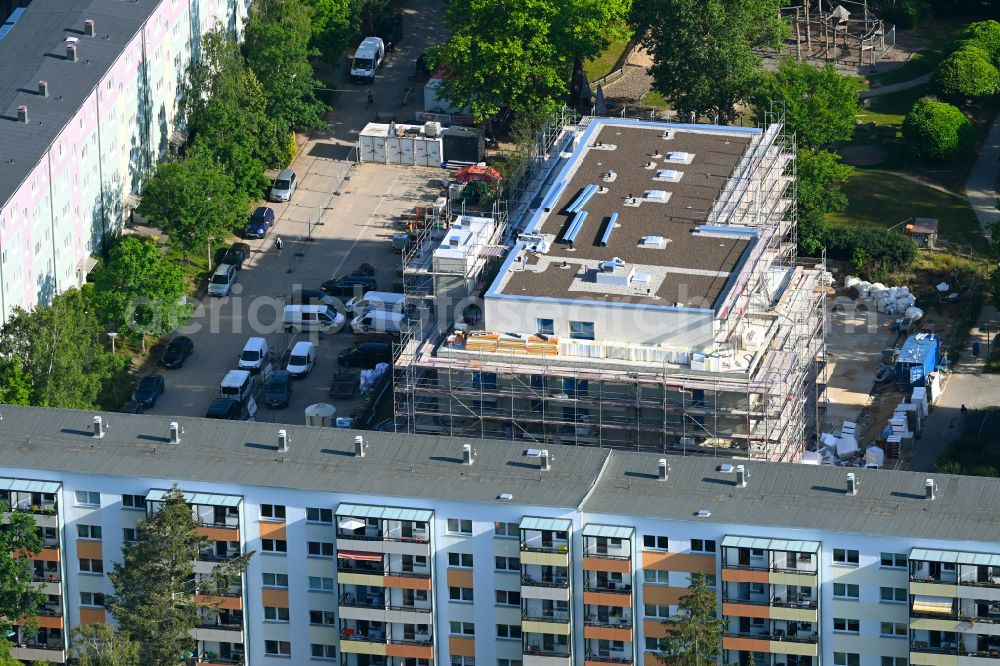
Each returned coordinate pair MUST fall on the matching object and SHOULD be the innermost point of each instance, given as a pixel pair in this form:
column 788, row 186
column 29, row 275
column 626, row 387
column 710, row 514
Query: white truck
column 367, row 60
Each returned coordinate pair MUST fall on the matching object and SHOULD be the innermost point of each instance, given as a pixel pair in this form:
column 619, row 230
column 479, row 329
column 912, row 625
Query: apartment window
column 844, row 556
column 460, row 593
column 845, row 591
column 459, row 526
column 128, row 535
column 320, row 548
column 846, row 625
column 894, row 661
column 460, row 560
column 320, row 584
column 892, row 595
column 508, row 598
column 88, row 531
column 273, row 546
column 581, row 330
column 655, row 610
column 546, row 327
column 91, row 566
column 323, row 651
column 457, row 660
column 272, row 511
column 656, row 576
column 507, row 563
column 892, row 629
column 322, row 617
column 134, row 502
column 846, row 659
column 702, row 545
column 278, row 648
column 506, row 530
column 653, row 542
column 92, row 599
column 88, row 498
column 275, row 614
column 894, row 560
column 315, row 515
column 274, row 579
column 463, row 628
column 508, row 631
column 509, row 662
column 709, row 579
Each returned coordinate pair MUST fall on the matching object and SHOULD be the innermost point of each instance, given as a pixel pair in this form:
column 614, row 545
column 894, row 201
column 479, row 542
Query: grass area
column 890, row 109
column 937, row 36
column 971, row 455
column 881, row 199
column 655, row 100
column 604, row 63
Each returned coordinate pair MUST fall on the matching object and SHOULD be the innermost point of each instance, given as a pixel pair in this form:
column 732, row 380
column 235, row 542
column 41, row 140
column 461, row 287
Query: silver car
column 283, row 186
column 222, row 280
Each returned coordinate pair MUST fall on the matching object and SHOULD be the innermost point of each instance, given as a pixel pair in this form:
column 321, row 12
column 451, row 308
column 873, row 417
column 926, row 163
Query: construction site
column 635, row 286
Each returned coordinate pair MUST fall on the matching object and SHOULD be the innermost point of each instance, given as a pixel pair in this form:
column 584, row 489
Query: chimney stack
column 22, row 114
column 467, row 458
column 71, row 52
column 543, row 460
column 43, row 88
column 741, row 476
column 89, row 28
column 852, row 484
column 175, row 433
column 98, row 427
column 930, row 490
column 359, row 447
column 283, row 441
column 664, row 469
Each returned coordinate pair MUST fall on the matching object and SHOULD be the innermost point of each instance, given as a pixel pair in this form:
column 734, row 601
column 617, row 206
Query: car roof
column 261, row 211
column 223, row 268
column 286, row 173
column 239, row 246
column 373, row 345
column 302, row 346
column 235, row 377
column 281, row 374
column 179, row 340
column 150, row 378
column 255, row 343
column 307, row 307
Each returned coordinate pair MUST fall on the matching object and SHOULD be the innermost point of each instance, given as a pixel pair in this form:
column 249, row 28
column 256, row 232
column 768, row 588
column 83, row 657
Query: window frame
column 582, row 330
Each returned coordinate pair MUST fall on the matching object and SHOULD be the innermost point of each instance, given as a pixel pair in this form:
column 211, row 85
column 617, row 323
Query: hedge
column 937, row 131
column 846, row 242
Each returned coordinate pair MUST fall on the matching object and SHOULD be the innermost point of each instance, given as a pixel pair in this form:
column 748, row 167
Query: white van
column 238, row 385
column 319, row 317
column 302, row 358
column 380, row 321
column 255, row 353
column 367, row 59
column 376, row 300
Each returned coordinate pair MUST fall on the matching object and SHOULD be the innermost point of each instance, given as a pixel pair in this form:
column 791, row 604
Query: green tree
column 15, row 385
column 61, row 351
column 702, row 50
column 101, row 645
column 694, row 634
column 139, row 289
column 20, row 596
column 155, row 599
column 820, row 105
column 334, row 24
column 194, row 202
column 967, row 73
column 986, row 35
column 820, row 175
column 935, row 130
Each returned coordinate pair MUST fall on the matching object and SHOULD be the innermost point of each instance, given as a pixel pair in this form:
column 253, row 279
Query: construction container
column 918, row 358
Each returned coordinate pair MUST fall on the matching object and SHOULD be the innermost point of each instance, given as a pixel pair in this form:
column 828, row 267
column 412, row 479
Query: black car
column 177, row 352
column 365, row 355
column 224, row 408
column 279, row 389
column 148, row 390
column 236, row 255
column 310, row 297
column 349, row 286
column 132, row 407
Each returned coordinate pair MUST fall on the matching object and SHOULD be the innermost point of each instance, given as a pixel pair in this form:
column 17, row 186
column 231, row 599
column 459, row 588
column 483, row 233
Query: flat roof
column 597, row 481
column 691, row 268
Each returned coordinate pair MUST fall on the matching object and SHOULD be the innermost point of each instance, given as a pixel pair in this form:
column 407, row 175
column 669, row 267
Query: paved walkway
column 896, row 87
column 981, row 186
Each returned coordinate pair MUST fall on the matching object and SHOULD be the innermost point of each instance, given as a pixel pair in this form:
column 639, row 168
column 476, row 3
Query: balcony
column 612, row 587
column 533, row 656
column 607, row 659
column 372, row 642
column 45, row 652
column 205, row 660
column 552, row 590
column 219, row 632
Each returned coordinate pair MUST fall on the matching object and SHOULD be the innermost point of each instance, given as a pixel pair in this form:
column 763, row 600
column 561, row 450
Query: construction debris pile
column 887, row 300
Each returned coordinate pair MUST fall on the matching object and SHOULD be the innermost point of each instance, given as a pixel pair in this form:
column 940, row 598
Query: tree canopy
column 20, row 595
column 967, row 73
column 101, row 645
column 702, row 50
column 936, row 130
column 694, row 634
column 820, row 175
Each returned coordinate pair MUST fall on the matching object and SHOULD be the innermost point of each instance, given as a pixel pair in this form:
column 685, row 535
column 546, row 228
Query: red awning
column 359, row 555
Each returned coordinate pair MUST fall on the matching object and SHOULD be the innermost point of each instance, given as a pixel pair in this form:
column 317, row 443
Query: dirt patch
column 862, row 156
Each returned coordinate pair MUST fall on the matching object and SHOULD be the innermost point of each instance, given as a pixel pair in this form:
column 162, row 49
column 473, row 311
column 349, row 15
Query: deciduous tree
column 20, row 595
column 967, row 73
column 694, row 634
column 102, row 645
column 937, row 131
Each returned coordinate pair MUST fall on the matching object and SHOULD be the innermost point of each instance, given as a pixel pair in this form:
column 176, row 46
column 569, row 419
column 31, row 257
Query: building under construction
column 650, row 298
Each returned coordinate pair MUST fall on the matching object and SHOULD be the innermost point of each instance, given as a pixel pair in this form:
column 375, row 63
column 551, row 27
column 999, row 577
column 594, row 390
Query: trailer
column 918, row 357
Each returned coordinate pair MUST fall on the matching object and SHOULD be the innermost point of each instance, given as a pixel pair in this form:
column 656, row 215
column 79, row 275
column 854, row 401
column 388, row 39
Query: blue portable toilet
column 918, row 358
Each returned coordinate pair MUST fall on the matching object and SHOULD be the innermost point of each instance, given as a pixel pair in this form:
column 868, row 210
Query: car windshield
column 147, row 384
column 174, row 348
column 363, row 63
column 281, row 184
column 250, row 355
column 220, row 278
column 298, row 360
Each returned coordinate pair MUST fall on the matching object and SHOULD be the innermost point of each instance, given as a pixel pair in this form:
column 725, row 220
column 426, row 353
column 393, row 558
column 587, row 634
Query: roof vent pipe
column 930, row 489
column 283, row 441
column 175, row 433
column 467, row 455
column 544, row 462
column 71, row 52
column 22, row 114
column 98, row 427
column 741, row 476
column 359, row 447
column 664, row 469
column 43, row 88
column 89, row 28
column 852, row 484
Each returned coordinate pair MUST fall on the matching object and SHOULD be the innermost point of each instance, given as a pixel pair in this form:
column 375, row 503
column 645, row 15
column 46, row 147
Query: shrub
column 907, row 14
column 860, row 245
column 936, row 130
column 985, row 35
column 967, row 73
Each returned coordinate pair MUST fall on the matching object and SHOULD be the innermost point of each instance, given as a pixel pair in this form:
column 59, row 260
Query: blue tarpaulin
column 918, row 357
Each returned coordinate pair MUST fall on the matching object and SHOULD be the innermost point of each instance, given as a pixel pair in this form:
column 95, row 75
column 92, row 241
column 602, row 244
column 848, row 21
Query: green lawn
column 654, row 99
column 604, row 63
column 890, row 109
column 882, row 199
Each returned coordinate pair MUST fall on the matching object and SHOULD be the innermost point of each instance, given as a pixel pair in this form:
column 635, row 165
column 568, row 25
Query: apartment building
column 88, row 104
column 651, row 300
column 403, row 550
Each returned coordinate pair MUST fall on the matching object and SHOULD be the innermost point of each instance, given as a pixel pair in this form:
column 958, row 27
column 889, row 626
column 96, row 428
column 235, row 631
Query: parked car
column 301, row 359
column 368, row 58
column 177, row 352
column 148, row 390
column 279, row 389
column 349, row 286
column 236, row 255
column 224, row 408
column 222, row 280
column 255, row 354
column 283, row 186
column 260, row 222
column 365, row 355
column 132, row 407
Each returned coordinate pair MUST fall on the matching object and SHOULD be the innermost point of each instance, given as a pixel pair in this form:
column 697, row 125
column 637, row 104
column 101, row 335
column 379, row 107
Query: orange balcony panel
column 407, row 583
column 48, row 622
column 92, row 616
column 599, row 564
column 228, row 603
column 745, row 576
column 223, row 533
column 271, row 530
column 461, row 647
column 90, row 550
column 607, row 599
column 608, row 633
column 409, row 651
column 662, row 594
column 654, row 629
column 746, row 644
column 745, row 610
column 46, row 555
column 650, row 659
column 459, row 577
column 689, row 562
column 277, row 598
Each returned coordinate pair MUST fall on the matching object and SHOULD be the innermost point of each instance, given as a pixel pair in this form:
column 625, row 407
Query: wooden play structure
column 846, row 32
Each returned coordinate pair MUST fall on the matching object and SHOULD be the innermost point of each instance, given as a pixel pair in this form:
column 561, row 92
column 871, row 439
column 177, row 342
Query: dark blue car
column 261, row 221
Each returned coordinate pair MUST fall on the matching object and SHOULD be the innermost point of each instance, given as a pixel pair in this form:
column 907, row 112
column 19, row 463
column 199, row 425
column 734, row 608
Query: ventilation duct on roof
column 175, row 433
column 359, row 446
column 663, row 469
column 71, row 52
column 98, row 427
column 22, row 113
column 608, row 228
column 89, row 28
column 43, row 88
column 468, row 457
